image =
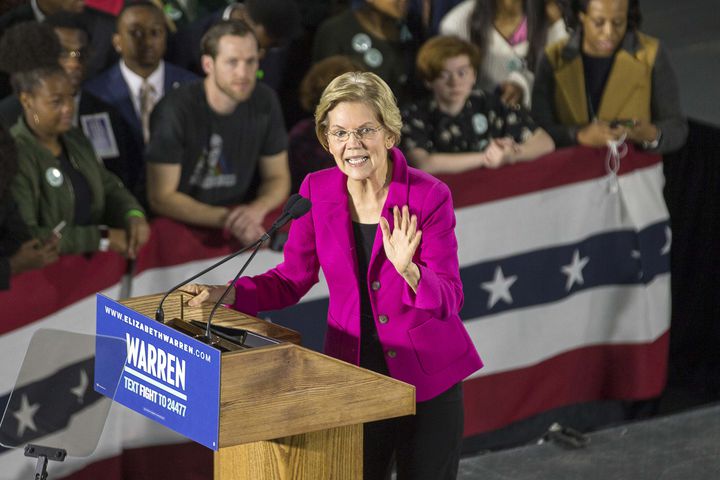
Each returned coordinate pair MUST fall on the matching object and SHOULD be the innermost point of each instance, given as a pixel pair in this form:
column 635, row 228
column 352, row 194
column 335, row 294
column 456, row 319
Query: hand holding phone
column 626, row 122
column 56, row 234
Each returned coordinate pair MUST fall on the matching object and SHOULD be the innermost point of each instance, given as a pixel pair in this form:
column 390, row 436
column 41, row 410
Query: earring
column 36, row 119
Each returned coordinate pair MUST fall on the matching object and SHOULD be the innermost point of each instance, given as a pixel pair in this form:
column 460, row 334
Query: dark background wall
column 691, row 31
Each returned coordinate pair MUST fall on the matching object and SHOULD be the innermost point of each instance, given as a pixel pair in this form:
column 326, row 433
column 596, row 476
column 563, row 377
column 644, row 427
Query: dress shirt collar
column 135, row 81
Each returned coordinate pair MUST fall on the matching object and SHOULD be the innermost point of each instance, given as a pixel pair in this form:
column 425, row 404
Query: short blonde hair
column 364, row 87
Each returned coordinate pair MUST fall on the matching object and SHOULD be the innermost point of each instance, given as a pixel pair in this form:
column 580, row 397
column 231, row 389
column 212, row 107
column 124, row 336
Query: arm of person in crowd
column 163, row 180
column 18, row 253
column 504, row 151
column 668, row 125
column 435, row 163
column 131, row 230
column 34, row 254
column 245, row 221
column 75, row 239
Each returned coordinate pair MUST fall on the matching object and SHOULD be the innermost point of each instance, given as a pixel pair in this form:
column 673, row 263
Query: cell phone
column 627, row 123
column 58, row 228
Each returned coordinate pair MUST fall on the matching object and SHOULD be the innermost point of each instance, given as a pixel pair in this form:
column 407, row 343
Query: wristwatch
column 652, row 144
column 104, row 245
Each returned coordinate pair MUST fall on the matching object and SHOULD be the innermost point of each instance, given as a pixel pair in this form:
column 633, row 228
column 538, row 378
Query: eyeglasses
column 362, row 133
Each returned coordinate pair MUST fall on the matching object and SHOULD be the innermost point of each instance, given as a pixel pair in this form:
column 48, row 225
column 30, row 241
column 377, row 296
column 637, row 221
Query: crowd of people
column 114, row 113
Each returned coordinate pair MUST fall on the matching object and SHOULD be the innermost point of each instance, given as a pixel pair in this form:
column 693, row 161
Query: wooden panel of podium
column 287, row 412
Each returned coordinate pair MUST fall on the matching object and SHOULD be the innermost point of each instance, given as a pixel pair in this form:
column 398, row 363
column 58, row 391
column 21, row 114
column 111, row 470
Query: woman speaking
column 383, row 233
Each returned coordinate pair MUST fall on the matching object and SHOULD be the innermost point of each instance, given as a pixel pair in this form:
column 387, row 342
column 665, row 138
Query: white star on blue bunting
column 499, row 288
column 574, row 270
column 25, row 416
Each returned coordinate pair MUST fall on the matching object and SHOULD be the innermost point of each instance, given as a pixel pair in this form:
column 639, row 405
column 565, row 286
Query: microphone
column 160, row 314
column 297, row 208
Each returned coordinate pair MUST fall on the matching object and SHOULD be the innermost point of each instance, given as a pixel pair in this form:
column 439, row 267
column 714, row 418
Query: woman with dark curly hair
column 608, row 82
column 59, row 176
column 18, row 251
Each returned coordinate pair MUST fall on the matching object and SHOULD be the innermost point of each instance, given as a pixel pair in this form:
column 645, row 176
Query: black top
column 371, row 353
column 219, row 154
column 483, row 117
column 597, row 71
column 80, row 188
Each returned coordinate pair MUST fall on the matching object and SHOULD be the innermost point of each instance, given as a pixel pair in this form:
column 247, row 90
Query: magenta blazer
column 424, row 340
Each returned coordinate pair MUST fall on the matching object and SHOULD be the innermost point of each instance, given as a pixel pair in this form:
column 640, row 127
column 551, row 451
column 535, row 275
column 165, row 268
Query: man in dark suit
column 141, row 78
column 100, row 122
column 99, row 26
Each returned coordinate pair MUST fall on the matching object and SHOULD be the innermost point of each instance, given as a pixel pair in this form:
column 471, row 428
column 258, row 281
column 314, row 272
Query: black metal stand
column 43, row 454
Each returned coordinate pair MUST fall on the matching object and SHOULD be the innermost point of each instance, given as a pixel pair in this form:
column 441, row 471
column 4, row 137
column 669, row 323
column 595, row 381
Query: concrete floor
column 683, row 446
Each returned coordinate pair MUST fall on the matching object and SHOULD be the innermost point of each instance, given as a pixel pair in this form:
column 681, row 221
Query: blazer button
column 391, row 353
column 383, row 319
column 375, row 285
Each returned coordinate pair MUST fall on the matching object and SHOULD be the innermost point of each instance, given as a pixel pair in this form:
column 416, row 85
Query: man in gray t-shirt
column 217, row 155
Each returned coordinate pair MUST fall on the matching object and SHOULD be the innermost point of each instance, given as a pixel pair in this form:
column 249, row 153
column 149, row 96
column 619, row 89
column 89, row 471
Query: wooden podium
column 287, row 412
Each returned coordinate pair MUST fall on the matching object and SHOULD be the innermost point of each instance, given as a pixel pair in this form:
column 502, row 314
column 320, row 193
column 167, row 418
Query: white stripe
column 558, row 216
column 154, row 382
column 599, row 316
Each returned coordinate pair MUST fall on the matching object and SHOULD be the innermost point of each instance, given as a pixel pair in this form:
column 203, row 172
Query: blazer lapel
column 333, row 212
column 573, row 91
column 625, row 75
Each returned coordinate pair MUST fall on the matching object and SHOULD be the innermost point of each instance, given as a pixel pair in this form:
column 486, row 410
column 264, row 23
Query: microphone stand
column 257, row 245
column 287, row 214
column 160, row 314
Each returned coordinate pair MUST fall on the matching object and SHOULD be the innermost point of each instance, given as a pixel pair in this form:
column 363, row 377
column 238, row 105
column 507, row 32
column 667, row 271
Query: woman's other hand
column 499, row 152
column 642, row 131
column 138, row 233
column 34, row 254
column 207, row 294
column 598, row 134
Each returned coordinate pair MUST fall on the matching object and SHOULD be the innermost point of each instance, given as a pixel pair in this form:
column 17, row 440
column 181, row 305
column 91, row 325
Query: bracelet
column 135, row 213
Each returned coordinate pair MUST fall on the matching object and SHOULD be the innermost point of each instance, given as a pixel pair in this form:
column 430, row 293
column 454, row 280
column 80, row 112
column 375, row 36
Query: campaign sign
column 168, row 376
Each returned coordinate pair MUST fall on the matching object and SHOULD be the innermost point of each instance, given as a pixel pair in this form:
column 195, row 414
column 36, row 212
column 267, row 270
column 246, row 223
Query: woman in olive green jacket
column 60, row 178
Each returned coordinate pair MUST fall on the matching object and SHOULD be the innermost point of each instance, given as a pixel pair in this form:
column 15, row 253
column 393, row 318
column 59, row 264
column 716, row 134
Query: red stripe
column 40, row 293
column 627, row 372
column 559, row 168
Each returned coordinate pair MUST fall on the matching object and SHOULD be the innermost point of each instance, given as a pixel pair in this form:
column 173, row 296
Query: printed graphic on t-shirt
column 211, row 170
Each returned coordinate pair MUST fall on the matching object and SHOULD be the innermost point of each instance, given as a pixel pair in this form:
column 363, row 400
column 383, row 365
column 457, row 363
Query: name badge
column 98, row 129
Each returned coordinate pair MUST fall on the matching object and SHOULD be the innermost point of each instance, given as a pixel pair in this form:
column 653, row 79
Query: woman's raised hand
column 401, row 243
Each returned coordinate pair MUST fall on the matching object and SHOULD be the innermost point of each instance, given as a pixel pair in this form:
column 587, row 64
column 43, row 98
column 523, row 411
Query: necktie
column 147, row 102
